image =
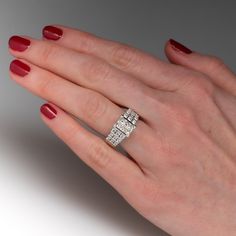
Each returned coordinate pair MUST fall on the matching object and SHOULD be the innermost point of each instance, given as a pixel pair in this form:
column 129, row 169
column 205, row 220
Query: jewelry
column 122, row 129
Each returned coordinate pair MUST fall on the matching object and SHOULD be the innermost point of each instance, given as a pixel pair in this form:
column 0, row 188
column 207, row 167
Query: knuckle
column 86, row 42
column 215, row 63
column 96, row 71
column 70, row 134
column 125, row 57
column 45, row 87
column 94, row 107
column 202, row 89
column 181, row 114
column 198, row 88
column 174, row 110
column 98, row 155
column 129, row 83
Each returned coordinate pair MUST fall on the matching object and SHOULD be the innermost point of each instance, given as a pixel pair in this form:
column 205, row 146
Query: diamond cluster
column 131, row 116
column 123, row 127
column 115, row 137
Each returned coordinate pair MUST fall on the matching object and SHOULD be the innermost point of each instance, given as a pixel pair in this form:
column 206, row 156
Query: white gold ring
column 123, row 127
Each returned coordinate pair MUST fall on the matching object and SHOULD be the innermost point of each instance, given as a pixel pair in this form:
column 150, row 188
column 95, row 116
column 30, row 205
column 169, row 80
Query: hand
column 181, row 174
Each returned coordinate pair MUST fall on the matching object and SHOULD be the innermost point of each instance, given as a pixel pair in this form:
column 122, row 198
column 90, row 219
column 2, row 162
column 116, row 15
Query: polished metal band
column 123, row 127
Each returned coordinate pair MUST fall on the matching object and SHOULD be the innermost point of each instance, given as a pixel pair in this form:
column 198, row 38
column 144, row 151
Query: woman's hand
column 181, row 174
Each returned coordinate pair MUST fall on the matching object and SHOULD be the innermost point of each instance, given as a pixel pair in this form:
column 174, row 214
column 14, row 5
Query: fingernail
column 18, row 43
column 179, row 47
column 48, row 111
column 52, row 32
column 19, row 68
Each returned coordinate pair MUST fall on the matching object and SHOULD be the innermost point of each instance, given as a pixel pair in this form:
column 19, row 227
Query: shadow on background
column 60, row 170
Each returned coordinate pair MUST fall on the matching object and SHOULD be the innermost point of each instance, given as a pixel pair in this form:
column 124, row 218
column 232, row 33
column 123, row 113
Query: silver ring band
column 122, row 129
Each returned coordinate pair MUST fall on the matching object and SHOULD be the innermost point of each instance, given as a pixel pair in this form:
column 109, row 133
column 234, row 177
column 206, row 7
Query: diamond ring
column 123, row 127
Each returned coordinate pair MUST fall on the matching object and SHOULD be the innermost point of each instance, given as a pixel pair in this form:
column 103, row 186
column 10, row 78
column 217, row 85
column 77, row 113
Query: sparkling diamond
column 125, row 126
column 130, row 118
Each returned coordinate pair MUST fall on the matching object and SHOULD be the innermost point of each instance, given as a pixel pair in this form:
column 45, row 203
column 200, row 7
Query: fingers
column 89, row 106
column 84, row 70
column 148, row 69
column 213, row 67
column 115, row 168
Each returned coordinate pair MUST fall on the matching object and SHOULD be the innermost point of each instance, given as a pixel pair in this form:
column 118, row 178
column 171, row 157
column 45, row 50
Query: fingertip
column 48, row 111
column 167, row 48
column 51, row 32
column 171, row 54
column 179, row 47
column 19, row 68
column 177, row 53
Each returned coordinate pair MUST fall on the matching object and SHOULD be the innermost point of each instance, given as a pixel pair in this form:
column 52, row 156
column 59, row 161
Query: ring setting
column 122, row 129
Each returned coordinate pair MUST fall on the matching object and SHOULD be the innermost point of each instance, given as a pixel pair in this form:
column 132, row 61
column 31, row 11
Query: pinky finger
column 213, row 67
column 115, row 168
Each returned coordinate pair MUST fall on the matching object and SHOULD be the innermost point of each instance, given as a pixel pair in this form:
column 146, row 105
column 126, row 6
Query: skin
column 181, row 174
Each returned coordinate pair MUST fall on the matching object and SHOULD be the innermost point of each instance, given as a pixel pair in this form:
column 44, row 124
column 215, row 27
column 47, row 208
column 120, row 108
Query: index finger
column 149, row 69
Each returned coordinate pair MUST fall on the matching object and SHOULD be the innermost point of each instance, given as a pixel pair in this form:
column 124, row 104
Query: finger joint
column 125, row 57
column 98, row 155
column 94, row 107
column 96, row 71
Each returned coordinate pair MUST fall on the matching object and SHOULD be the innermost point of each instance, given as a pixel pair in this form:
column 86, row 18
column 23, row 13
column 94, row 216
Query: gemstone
column 130, row 118
column 125, row 126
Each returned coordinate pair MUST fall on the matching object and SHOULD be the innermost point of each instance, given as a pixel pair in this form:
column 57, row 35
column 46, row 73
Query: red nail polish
column 52, row 32
column 48, row 111
column 18, row 43
column 19, row 68
column 179, row 47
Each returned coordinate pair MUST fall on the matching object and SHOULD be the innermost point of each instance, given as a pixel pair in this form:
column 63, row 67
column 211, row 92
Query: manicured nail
column 19, row 68
column 179, row 47
column 18, row 43
column 48, row 111
column 52, row 32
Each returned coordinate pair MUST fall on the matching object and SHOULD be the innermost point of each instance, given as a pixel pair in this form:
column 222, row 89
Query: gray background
column 44, row 188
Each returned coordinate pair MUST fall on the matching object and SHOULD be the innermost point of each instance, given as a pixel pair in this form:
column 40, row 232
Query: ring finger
column 91, row 107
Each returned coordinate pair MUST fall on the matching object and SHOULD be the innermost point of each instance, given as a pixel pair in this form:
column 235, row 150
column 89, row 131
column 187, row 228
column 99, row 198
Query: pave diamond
column 115, row 136
column 127, row 113
column 125, row 126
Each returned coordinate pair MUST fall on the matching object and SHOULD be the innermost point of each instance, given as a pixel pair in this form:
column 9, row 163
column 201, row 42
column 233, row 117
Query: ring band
column 122, row 129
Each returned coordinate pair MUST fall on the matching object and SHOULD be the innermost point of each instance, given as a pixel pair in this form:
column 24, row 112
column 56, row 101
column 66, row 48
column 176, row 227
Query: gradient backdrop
column 44, row 188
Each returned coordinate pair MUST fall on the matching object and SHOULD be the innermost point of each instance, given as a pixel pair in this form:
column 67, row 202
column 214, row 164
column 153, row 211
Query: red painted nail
column 179, row 47
column 19, row 68
column 18, row 43
column 52, row 32
column 48, row 111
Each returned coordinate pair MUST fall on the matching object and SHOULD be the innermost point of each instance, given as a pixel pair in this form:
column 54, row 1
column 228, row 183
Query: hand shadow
column 64, row 173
